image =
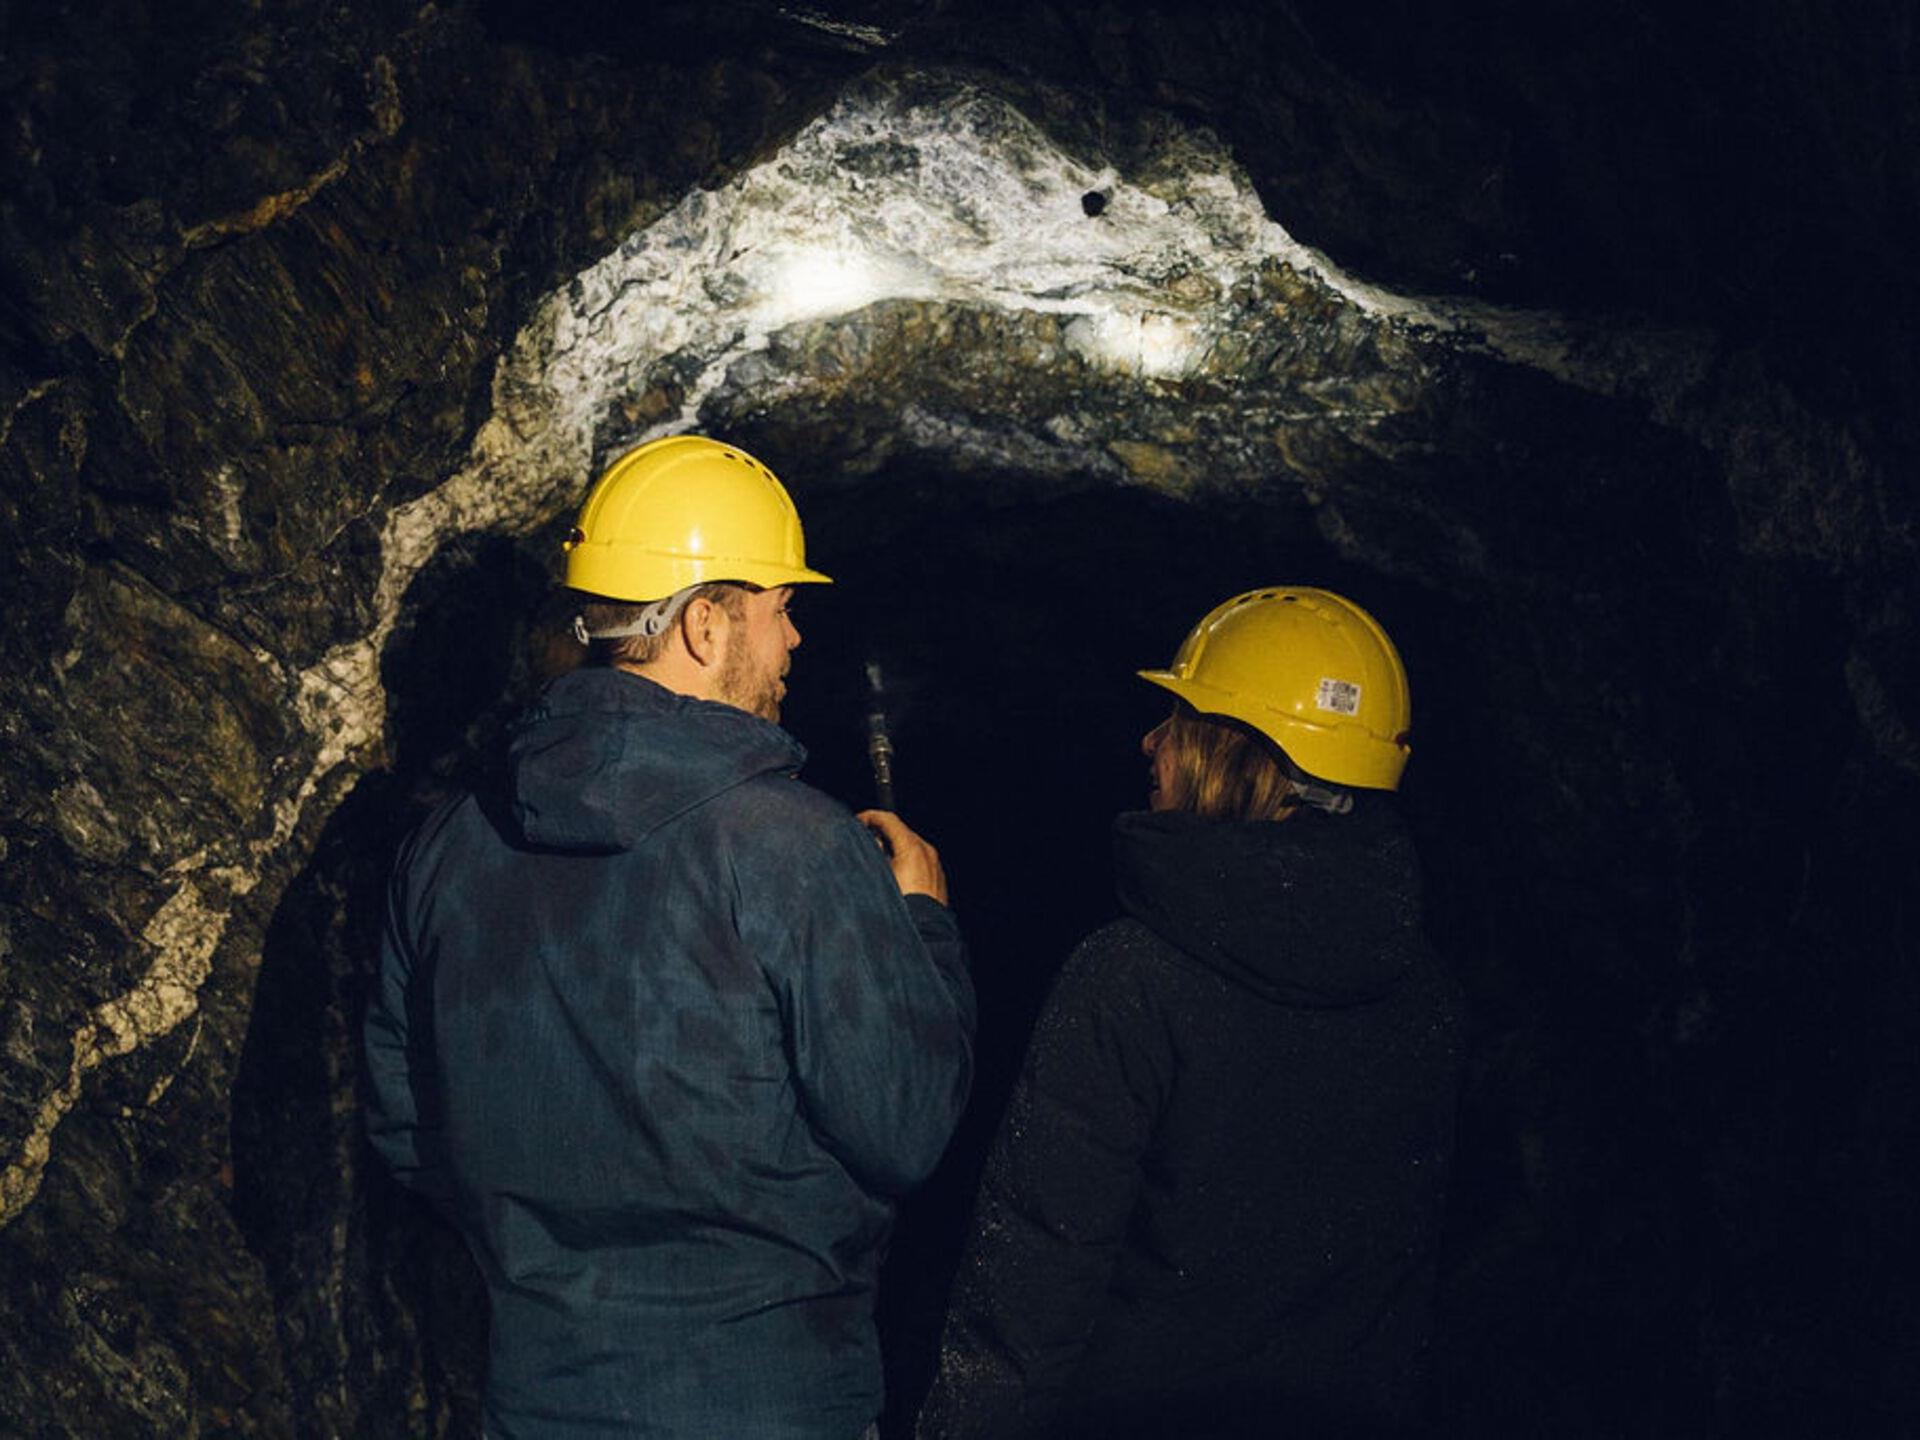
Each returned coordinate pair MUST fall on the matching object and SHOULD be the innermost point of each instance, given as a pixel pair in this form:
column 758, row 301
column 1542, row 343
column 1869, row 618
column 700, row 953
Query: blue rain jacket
column 659, row 1033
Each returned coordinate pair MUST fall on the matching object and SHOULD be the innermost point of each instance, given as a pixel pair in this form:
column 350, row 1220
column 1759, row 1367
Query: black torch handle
column 879, row 742
column 880, row 757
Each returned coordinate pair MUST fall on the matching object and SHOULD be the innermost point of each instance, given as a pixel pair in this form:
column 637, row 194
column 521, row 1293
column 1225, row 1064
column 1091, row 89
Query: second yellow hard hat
column 1308, row 669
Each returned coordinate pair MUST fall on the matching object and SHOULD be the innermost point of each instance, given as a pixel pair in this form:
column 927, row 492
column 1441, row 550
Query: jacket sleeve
column 878, row 1008
column 1060, row 1188
column 403, row 1092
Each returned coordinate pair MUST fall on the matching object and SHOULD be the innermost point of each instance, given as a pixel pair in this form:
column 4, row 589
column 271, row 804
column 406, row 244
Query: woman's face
column 1156, row 746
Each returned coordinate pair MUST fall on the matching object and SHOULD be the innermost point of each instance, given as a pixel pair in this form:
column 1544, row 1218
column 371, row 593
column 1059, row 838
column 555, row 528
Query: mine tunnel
column 1577, row 345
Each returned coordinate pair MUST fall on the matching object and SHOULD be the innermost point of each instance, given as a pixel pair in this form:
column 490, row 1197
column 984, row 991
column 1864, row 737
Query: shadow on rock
column 381, row 1313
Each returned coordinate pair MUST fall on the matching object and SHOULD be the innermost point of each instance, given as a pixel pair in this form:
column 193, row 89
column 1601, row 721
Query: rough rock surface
column 1571, row 344
column 258, row 267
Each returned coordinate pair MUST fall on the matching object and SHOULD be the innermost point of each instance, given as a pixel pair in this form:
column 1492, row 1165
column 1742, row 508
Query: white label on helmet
column 1340, row 696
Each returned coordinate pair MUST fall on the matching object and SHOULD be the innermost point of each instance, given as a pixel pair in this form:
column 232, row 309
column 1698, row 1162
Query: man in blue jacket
column 657, row 1027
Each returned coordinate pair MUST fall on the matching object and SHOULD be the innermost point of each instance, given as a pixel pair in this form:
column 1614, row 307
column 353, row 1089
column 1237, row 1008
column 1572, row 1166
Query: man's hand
column 916, row 864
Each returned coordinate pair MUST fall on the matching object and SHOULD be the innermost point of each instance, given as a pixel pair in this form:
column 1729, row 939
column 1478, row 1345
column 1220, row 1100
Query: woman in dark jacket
column 1214, row 1203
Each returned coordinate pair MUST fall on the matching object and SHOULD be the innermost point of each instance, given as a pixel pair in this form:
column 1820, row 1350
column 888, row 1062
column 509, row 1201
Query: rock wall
column 1573, row 343
column 259, row 267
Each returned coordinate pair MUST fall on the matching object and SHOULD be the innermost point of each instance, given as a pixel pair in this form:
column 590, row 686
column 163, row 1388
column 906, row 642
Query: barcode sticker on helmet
column 1340, row 696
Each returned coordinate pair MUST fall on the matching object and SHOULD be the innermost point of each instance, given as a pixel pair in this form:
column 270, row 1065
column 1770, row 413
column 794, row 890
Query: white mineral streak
column 228, row 490
column 184, row 933
column 940, row 192
column 866, row 37
column 158, row 1091
column 945, row 192
column 31, row 396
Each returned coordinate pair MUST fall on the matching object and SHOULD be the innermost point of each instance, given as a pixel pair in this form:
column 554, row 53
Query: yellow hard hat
column 1311, row 671
column 685, row 510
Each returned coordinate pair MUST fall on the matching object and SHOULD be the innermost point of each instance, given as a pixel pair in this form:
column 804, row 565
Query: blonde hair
column 1224, row 770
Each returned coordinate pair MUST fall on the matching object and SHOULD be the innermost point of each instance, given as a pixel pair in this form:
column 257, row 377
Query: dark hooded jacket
column 1213, row 1205
column 659, row 1033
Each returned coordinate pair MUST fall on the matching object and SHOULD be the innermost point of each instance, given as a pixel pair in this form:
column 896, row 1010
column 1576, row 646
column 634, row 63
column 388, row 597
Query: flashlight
column 879, row 742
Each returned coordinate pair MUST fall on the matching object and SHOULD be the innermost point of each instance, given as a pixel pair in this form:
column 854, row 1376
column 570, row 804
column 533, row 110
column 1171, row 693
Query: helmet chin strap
column 650, row 622
column 1321, row 797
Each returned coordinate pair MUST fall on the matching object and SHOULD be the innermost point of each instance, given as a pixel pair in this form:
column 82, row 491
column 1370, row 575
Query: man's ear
column 703, row 629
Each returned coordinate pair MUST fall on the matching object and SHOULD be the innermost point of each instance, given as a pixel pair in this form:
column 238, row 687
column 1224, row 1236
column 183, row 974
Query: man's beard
column 739, row 687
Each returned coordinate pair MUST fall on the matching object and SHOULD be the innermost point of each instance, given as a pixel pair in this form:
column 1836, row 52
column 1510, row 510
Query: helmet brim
column 1362, row 762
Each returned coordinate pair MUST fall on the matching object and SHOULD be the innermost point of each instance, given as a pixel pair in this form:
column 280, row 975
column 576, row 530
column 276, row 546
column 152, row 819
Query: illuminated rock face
column 296, row 397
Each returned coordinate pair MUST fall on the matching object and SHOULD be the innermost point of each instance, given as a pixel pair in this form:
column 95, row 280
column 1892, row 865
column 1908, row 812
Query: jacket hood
column 1319, row 911
column 604, row 758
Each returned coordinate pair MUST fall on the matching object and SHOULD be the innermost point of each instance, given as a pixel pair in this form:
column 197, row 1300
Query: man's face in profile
column 753, row 673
